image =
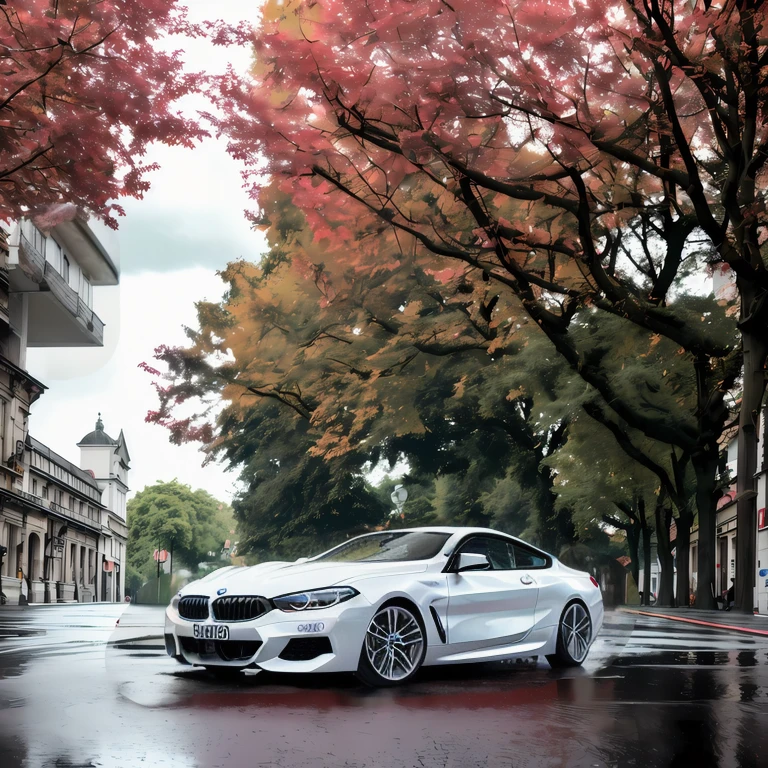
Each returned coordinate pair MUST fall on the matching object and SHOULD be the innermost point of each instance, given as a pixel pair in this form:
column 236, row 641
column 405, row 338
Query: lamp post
column 399, row 497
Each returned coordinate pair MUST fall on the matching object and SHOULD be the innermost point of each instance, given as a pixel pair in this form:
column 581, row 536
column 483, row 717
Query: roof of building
column 122, row 449
column 73, row 469
column 98, row 436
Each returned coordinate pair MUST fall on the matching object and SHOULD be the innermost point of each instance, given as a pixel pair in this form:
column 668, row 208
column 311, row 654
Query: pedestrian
column 730, row 596
column 727, row 598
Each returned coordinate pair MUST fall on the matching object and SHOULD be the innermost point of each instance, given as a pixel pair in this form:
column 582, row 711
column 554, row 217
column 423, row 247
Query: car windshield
column 390, row 546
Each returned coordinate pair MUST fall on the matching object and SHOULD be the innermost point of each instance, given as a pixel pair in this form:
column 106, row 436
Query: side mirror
column 301, row 560
column 469, row 561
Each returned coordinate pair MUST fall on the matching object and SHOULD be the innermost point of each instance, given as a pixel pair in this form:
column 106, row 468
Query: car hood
column 279, row 578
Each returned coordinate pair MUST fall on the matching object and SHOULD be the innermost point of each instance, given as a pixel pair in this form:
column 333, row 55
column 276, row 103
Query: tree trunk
column 705, row 466
column 633, row 542
column 683, row 548
column 755, row 349
column 646, row 533
column 663, row 520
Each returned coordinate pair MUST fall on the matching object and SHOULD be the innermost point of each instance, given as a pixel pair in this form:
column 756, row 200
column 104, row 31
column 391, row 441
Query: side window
column 494, row 549
column 524, row 558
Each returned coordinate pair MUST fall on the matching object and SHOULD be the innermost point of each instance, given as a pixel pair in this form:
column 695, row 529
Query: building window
column 3, row 457
column 65, row 269
column 54, row 254
column 34, row 487
column 695, row 559
column 36, row 237
column 45, row 491
column 82, row 507
column 86, row 291
column 71, row 503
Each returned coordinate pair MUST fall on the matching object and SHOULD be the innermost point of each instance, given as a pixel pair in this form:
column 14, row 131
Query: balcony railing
column 31, row 261
column 69, row 298
column 79, row 516
column 92, row 320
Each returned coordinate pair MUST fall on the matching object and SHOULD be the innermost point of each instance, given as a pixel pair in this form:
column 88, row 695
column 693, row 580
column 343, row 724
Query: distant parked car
column 384, row 604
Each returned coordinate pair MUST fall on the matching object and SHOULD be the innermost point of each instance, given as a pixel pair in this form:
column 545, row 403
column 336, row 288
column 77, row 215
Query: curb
column 699, row 622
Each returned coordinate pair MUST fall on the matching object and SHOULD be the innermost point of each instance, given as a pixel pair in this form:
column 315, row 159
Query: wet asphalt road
column 77, row 691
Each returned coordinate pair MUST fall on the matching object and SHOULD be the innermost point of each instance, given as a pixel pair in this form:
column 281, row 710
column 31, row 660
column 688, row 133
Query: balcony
column 57, row 509
column 72, row 515
column 58, row 317
column 69, row 298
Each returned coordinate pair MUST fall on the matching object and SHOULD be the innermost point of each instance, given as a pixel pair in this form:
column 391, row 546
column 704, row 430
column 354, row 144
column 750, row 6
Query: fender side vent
column 306, row 648
column 438, row 623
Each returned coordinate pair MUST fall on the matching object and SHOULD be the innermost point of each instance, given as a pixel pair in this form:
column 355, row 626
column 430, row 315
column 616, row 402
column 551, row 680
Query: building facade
column 761, row 578
column 56, row 530
column 726, row 523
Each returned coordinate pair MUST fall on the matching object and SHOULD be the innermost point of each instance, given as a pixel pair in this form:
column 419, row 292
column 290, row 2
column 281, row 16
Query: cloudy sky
column 170, row 245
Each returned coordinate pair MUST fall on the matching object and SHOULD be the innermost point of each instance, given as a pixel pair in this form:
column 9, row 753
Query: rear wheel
column 573, row 637
column 394, row 647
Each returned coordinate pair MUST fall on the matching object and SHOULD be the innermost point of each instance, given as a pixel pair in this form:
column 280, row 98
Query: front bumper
column 329, row 640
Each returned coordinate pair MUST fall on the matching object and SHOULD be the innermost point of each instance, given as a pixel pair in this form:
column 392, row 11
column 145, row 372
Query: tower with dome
column 107, row 460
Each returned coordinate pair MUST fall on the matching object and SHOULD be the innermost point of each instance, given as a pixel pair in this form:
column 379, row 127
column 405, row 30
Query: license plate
column 210, row 631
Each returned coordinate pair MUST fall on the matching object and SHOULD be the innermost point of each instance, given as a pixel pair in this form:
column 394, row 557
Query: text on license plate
column 210, row 631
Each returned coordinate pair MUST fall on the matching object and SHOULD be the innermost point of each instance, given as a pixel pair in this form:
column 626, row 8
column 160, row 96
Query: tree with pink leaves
column 86, row 88
column 586, row 156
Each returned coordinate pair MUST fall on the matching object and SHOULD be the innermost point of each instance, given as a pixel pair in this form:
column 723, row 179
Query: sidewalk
column 727, row 620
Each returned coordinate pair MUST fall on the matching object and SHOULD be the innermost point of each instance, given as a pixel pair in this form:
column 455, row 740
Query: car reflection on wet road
column 77, row 691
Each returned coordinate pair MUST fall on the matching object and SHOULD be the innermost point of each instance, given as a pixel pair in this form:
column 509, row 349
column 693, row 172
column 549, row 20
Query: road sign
column 161, row 555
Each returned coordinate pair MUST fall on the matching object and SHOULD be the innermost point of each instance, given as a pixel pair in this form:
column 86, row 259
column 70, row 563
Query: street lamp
column 399, row 497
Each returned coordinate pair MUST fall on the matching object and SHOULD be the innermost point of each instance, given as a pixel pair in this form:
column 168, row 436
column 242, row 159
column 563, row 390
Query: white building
column 58, row 533
column 107, row 460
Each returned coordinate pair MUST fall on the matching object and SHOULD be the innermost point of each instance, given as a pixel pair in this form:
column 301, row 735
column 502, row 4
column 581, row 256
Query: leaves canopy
column 86, row 88
column 585, row 155
column 171, row 515
column 326, row 367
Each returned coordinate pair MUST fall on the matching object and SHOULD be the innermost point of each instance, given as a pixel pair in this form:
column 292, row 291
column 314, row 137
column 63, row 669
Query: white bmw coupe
column 384, row 604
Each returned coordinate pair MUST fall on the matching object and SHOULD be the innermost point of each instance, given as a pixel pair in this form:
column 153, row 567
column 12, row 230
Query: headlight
column 175, row 601
column 312, row 601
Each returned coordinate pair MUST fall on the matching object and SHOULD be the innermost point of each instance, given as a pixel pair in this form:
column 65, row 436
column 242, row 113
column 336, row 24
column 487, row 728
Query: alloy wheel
column 394, row 643
column 576, row 629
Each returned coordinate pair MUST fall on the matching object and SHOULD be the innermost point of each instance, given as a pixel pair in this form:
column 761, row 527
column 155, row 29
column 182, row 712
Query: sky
column 170, row 245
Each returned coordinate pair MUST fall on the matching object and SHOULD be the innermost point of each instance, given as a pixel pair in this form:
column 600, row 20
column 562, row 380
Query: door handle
column 526, row 579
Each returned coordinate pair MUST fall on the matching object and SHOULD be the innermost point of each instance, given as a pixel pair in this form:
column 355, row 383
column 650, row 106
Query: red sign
column 161, row 555
column 761, row 523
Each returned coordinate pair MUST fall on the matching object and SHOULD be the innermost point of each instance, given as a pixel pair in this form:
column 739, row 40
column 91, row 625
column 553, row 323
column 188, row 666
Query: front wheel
column 394, row 647
column 573, row 637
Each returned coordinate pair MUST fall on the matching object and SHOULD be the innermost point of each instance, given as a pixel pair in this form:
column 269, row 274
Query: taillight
column 594, row 581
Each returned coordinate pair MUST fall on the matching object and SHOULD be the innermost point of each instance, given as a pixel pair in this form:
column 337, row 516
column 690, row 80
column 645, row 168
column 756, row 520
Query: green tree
column 171, row 515
column 293, row 503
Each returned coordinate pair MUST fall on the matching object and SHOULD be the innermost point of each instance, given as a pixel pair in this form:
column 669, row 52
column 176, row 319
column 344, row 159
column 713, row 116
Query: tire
column 394, row 646
column 572, row 643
